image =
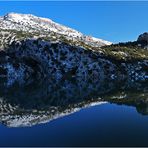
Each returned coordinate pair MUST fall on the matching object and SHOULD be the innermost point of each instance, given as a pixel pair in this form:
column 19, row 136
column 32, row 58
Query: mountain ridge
column 29, row 51
column 30, row 23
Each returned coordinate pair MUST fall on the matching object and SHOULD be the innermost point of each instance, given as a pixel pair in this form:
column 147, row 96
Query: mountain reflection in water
column 44, row 101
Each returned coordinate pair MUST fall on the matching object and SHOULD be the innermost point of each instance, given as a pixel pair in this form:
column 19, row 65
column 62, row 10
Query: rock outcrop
column 143, row 37
column 143, row 40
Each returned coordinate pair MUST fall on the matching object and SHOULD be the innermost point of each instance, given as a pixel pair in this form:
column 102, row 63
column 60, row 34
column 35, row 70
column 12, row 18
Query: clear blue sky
column 113, row 21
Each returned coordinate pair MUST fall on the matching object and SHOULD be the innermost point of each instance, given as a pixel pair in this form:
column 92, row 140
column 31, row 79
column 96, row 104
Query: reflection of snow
column 33, row 119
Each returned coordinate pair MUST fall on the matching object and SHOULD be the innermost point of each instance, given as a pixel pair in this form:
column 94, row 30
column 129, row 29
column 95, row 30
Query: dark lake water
column 74, row 114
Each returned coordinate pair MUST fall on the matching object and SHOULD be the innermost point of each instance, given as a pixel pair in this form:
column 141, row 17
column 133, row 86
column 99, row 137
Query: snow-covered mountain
column 32, row 47
column 74, row 68
column 31, row 23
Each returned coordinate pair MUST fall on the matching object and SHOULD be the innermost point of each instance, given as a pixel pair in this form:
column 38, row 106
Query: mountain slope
column 33, row 47
column 31, row 23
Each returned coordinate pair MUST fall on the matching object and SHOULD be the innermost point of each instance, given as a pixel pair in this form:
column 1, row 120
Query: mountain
column 37, row 48
column 33, row 47
column 45, row 27
column 48, row 70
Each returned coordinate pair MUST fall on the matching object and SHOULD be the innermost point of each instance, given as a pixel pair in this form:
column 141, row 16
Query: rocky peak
column 32, row 23
column 143, row 40
column 38, row 23
column 143, row 37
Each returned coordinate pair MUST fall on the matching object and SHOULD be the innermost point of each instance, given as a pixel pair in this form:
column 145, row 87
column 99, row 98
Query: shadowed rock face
column 31, row 59
column 143, row 40
column 143, row 37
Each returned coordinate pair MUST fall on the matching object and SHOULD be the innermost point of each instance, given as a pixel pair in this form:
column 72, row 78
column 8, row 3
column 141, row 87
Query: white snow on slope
column 32, row 119
column 31, row 23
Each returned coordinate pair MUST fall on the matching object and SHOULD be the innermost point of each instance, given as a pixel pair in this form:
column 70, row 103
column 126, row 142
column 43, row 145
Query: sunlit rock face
column 43, row 27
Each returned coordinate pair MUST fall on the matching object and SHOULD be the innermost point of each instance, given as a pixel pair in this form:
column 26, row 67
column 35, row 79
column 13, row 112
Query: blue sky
column 113, row 21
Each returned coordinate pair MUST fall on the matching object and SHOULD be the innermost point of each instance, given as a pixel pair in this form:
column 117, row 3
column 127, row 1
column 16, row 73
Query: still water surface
column 121, row 120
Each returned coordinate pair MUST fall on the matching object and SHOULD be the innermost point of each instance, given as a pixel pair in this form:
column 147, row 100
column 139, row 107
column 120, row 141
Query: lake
column 74, row 114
